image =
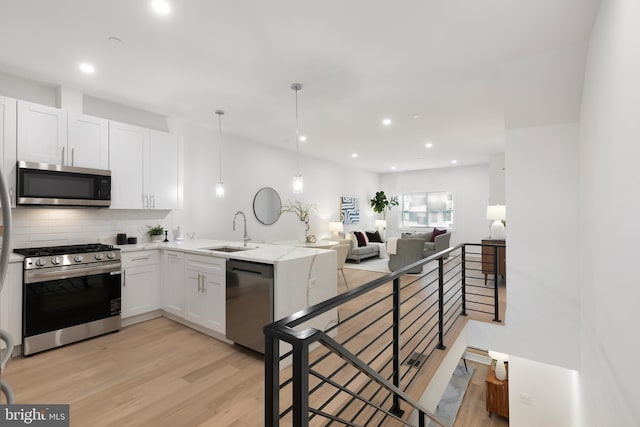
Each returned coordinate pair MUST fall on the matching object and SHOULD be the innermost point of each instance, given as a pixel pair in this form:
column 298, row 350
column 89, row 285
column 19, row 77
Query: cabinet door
column 87, row 141
column 163, row 180
column 195, row 304
column 8, row 155
column 140, row 283
column 214, row 295
column 126, row 158
column 173, row 283
column 11, row 304
column 42, row 133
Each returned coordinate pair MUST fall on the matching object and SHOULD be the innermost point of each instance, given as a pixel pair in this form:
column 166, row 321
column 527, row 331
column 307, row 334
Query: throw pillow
column 436, row 233
column 361, row 239
column 374, row 237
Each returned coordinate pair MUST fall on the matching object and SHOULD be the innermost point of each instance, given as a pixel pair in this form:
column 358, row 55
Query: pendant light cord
column 297, row 137
column 220, row 113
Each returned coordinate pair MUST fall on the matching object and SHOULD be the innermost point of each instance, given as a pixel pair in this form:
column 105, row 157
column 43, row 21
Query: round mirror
column 267, row 205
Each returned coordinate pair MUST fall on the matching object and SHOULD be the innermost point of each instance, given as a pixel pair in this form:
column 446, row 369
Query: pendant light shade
column 220, row 184
column 298, row 185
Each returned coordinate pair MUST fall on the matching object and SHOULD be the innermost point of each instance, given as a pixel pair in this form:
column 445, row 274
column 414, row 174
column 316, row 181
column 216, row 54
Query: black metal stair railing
column 360, row 371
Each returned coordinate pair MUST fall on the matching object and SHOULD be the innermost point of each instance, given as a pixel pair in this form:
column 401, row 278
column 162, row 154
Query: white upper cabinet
column 51, row 135
column 146, row 168
column 42, row 133
column 163, row 179
column 87, row 141
column 8, row 144
column 127, row 147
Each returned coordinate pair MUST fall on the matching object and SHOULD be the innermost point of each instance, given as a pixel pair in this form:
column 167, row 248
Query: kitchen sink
column 227, row 249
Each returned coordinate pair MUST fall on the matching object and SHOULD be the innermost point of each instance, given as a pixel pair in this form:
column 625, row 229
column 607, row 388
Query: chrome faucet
column 246, row 236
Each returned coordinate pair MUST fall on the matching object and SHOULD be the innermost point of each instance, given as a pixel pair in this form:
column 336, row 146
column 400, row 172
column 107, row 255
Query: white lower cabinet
column 173, row 290
column 204, row 279
column 140, row 283
column 11, row 303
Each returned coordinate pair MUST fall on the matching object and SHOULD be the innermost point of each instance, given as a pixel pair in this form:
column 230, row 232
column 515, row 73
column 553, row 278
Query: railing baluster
column 464, row 281
column 272, row 381
column 496, row 310
column 441, row 345
column 395, row 409
column 300, row 387
column 421, row 419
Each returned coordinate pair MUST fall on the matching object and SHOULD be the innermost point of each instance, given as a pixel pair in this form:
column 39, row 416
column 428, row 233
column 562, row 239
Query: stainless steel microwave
column 43, row 184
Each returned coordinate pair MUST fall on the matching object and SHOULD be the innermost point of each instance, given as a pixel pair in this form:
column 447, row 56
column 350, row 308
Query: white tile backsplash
column 59, row 226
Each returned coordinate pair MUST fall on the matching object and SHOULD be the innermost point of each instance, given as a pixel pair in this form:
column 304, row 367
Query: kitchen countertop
column 260, row 252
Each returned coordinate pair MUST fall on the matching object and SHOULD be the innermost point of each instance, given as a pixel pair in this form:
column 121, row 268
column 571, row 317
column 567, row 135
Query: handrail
column 449, row 295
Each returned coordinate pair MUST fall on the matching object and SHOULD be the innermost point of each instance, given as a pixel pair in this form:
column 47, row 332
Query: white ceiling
column 359, row 61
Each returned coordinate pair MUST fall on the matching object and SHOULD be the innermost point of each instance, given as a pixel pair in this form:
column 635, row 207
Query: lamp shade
column 381, row 223
column 336, row 227
column 498, row 212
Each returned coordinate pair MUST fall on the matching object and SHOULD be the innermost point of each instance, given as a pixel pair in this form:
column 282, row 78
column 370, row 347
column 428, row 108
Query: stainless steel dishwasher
column 249, row 302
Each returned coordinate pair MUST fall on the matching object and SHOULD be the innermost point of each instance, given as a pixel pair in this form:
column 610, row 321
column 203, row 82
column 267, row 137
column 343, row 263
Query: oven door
column 56, row 300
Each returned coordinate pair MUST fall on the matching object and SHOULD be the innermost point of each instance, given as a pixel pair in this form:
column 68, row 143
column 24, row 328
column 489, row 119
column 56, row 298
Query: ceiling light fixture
column 454, row 161
column 87, row 68
column 354, row 155
column 161, row 7
column 386, row 122
column 298, row 185
column 220, row 184
column 393, row 168
column 415, row 116
column 428, row 145
column 303, row 138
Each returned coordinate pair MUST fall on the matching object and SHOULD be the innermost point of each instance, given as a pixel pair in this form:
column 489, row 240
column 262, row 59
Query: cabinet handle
column 153, row 201
column 140, row 258
column 172, row 255
column 204, row 283
column 124, row 278
column 72, row 157
column 145, row 201
column 200, row 282
column 62, row 163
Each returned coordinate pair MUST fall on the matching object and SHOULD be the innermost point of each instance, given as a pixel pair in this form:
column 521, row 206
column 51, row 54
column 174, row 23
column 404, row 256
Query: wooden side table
column 497, row 393
column 488, row 254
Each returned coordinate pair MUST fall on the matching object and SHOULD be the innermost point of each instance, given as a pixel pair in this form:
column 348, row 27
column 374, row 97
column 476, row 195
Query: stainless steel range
column 70, row 293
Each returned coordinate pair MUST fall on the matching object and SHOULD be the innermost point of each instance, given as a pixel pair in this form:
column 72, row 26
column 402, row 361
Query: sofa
column 358, row 253
column 439, row 243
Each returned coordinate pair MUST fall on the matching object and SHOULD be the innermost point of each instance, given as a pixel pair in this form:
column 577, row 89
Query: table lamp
column 500, row 358
column 337, row 228
column 497, row 213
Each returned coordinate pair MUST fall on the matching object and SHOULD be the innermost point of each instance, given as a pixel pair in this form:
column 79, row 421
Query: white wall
column 549, row 402
column 542, row 318
column 470, row 187
column 497, row 185
column 610, row 226
column 249, row 166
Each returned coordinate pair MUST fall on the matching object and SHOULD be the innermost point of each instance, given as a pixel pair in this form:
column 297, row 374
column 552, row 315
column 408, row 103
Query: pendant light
column 297, row 178
column 220, row 184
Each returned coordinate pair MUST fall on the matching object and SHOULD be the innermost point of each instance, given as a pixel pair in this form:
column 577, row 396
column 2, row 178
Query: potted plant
column 380, row 203
column 155, row 233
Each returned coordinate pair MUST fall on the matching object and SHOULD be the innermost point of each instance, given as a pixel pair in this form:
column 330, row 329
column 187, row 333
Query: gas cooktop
column 64, row 250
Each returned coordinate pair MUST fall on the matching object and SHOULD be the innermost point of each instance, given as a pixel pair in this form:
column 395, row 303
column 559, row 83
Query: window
column 427, row 209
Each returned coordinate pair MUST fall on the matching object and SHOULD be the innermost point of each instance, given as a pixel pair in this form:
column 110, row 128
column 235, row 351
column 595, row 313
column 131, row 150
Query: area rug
column 372, row 264
column 449, row 405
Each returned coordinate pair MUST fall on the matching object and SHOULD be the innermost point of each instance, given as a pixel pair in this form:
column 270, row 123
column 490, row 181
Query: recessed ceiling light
column 454, row 161
column 354, row 155
column 386, row 121
column 161, row 7
column 87, row 68
column 393, row 168
column 303, row 138
column 415, row 116
column 428, row 145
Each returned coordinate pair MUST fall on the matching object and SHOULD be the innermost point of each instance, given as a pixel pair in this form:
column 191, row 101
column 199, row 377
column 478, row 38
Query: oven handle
column 36, row 276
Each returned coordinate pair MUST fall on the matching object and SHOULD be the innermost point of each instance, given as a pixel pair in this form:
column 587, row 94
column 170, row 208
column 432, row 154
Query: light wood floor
column 163, row 374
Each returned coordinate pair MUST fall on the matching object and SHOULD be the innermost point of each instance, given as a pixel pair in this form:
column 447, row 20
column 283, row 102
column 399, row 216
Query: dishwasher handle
column 251, row 268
